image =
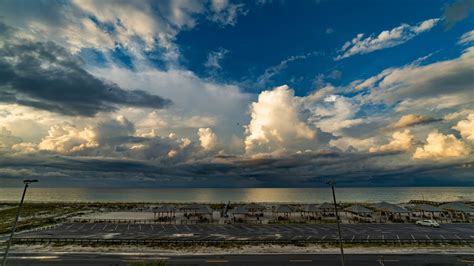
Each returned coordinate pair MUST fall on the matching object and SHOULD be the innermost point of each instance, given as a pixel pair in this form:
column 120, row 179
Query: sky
column 221, row 93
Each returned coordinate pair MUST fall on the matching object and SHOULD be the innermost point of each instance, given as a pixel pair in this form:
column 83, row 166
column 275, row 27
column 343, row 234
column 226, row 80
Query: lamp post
column 26, row 182
column 332, row 183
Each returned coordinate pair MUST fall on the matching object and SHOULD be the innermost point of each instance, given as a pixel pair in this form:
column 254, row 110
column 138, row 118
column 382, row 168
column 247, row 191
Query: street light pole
column 332, row 183
column 26, row 182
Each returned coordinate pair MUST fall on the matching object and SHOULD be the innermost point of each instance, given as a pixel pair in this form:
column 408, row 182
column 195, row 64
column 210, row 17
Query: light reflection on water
column 218, row 195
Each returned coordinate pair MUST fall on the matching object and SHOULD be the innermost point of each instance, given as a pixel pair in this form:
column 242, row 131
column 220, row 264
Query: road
column 248, row 260
column 356, row 233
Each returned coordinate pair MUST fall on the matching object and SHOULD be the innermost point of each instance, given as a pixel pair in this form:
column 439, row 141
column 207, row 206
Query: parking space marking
column 287, row 232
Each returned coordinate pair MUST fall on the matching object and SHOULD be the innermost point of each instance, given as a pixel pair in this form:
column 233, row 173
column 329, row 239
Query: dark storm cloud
column 46, row 76
column 348, row 169
column 457, row 11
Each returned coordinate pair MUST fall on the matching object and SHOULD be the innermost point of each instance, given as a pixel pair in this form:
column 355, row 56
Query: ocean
column 221, row 195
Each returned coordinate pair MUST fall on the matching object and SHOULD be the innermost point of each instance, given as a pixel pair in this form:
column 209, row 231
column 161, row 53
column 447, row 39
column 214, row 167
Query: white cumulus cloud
column 401, row 141
column 276, row 121
column 439, row 146
column 207, row 138
column 466, row 128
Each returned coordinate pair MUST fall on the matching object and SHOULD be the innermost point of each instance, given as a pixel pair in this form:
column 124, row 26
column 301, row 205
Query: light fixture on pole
column 332, row 183
column 27, row 183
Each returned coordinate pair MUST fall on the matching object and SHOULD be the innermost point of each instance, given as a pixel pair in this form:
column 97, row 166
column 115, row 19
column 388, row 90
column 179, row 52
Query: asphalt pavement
column 248, row 260
column 356, row 233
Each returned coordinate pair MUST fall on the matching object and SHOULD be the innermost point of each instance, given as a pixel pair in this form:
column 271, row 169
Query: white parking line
column 413, row 237
column 353, row 237
column 93, row 226
column 458, row 237
column 128, row 227
column 428, row 237
column 105, row 226
column 324, row 237
column 152, row 228
column 115, row 229
column 442, row 236
column 398, row 238
column 139, row 227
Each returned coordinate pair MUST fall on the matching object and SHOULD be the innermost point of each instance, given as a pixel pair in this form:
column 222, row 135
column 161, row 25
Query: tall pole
column 332, row 183
column 27, row 182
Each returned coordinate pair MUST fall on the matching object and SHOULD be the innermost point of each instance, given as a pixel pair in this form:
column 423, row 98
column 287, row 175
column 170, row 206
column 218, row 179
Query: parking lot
column 356, row 233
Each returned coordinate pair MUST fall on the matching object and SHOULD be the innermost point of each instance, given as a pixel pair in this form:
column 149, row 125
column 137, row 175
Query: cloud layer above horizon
column 150, row 93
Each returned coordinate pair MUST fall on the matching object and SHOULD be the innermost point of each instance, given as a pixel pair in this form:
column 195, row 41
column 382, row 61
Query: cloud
column 456, row 115
column 466, row 128
column 295, row 170
column 385, row 39
column 214, row 58
column 272, row 71
column 432, row 103
column 135, row 26
column 225, row 13
column 347, row 143
column 7, row 139
column 401, row 141
column 207, row 138
column 106, row 25
column 68, row 138
column 457, row 11
column 329, row 30
column 412, row 120
column 439, row 146
column 196, row 102
column 276, row 122
column 467, row 38
column 450, row 78
column 45, row 76
column 334, row 113
column 129, row 20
